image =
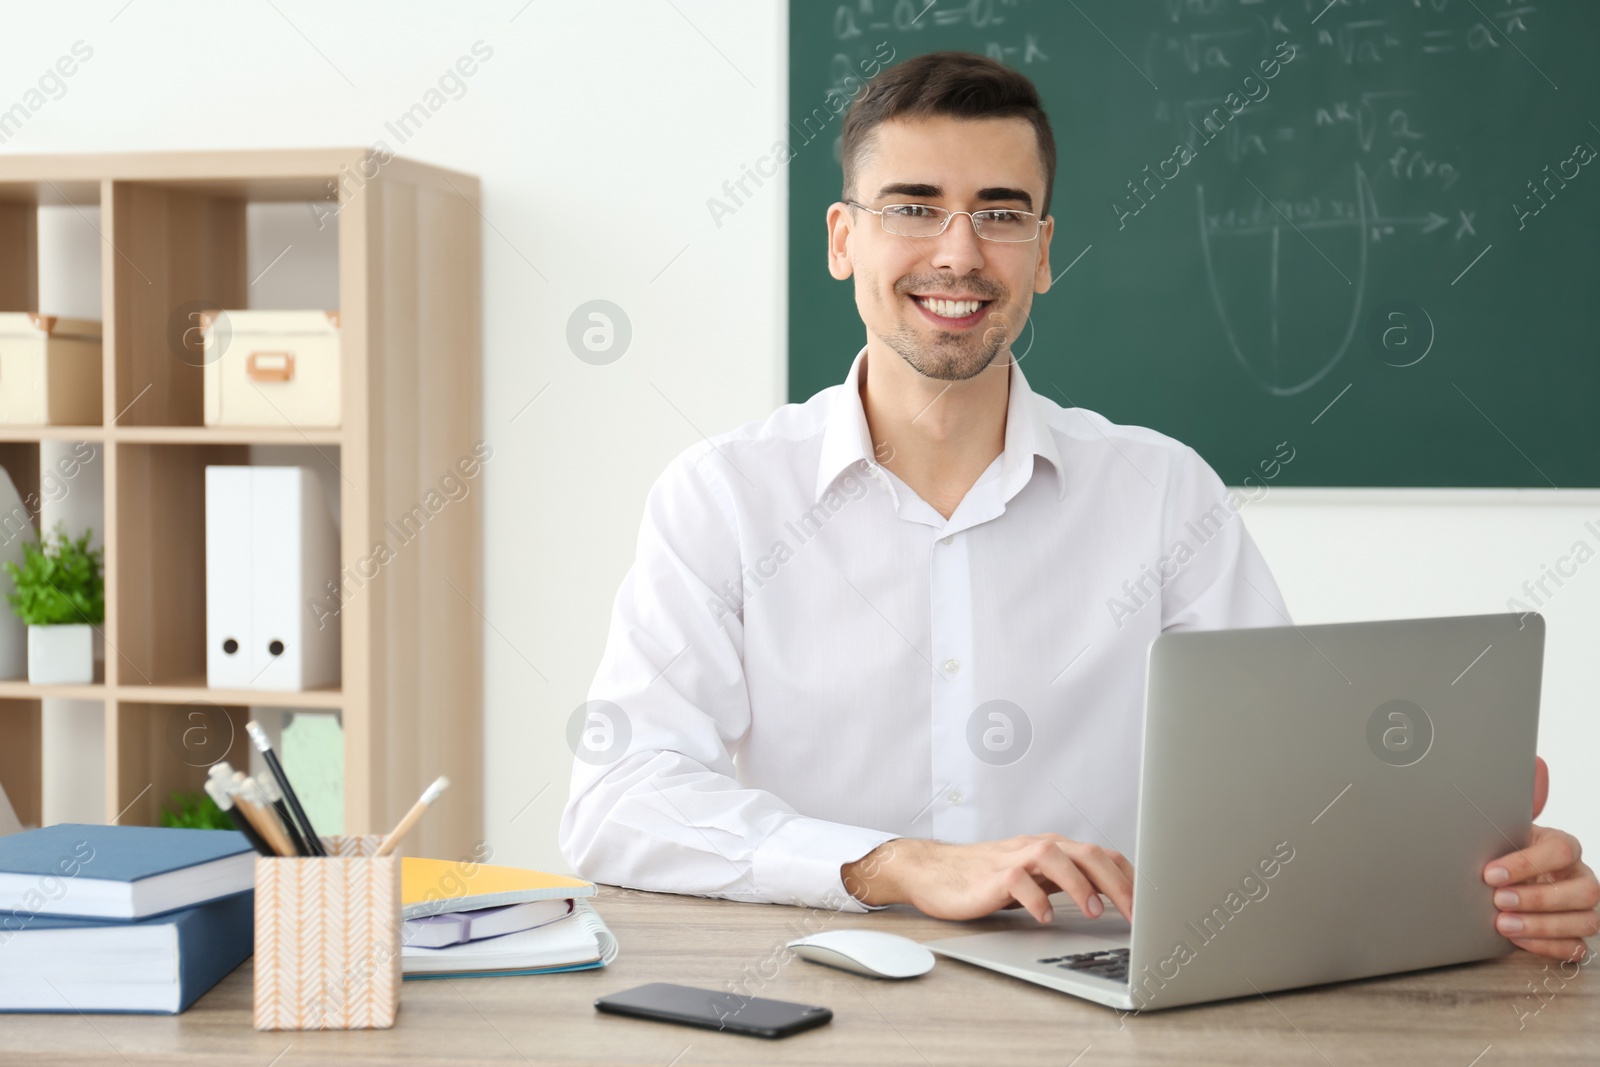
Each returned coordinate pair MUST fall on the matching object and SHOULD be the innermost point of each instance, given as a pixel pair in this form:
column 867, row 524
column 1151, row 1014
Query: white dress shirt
column 805, row 658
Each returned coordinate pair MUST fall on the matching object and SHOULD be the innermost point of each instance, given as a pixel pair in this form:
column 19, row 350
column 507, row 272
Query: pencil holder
column 328, row 938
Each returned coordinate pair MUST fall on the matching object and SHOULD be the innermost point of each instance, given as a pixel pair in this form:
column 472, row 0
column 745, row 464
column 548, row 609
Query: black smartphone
column 713, row 1010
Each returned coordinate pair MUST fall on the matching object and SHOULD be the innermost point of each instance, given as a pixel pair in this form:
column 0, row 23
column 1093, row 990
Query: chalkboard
column 1386, row 254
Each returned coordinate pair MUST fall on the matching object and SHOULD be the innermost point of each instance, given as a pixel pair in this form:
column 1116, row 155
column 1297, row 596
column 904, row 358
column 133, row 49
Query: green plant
column 195, row 811
column 59, row 582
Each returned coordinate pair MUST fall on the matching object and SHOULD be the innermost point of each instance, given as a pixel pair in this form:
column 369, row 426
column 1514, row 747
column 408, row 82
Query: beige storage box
column 49, row 370
column 272, row 368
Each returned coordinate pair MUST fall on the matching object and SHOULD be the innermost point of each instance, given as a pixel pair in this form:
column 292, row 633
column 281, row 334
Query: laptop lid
column 1317, row 803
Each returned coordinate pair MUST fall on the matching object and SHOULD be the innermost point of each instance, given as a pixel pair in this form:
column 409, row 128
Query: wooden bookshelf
column 173, row 229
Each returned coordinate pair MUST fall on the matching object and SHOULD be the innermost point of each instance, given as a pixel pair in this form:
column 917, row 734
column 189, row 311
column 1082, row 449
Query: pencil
column 219, row 793
column 274, row 796
column 264, row 819
column 429, row 795
column 307, row 832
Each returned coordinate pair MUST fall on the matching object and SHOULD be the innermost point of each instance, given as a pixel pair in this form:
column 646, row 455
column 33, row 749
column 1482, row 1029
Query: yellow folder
column 432, row 887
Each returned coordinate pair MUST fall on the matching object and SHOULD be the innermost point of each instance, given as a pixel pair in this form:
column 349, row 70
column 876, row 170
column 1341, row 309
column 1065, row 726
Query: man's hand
column 1546, row 894
column 949, row 881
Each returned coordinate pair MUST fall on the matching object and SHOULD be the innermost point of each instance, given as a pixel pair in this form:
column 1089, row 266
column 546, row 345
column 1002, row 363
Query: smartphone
column 714, row 1010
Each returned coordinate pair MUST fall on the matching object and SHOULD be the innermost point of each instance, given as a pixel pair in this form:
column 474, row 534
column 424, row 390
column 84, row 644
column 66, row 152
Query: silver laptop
column 1316, row 803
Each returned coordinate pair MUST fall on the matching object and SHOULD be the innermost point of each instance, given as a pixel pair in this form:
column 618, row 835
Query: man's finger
column 1551, row 852
column 1569, row 894
column 1126, row 866
column 1565, row 948
column 1541, row 785
column 1552, row 924
column 1027, row 892
column 1057, row 866
column 1107, row 877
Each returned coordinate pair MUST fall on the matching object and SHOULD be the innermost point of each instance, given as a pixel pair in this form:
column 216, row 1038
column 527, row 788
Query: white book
column 455, row 927
column 580, row 938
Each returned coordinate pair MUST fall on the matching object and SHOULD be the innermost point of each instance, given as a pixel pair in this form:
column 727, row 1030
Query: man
column 888, row 646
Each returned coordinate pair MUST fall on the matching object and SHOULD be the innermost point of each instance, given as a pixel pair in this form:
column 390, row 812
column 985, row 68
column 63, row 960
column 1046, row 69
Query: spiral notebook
column 581, row 941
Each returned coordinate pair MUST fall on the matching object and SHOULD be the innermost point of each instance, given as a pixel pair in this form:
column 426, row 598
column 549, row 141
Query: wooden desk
column 958, row 1014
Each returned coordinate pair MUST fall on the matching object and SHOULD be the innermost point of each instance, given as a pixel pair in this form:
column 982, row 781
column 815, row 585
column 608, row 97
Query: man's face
column 947, row 304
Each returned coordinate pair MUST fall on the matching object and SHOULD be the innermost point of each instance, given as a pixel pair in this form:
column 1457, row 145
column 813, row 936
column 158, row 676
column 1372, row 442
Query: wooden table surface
column 1476, row 1015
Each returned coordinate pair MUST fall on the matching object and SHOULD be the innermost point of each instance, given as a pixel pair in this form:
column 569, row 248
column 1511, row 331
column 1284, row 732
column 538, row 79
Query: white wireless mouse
column 869, row 952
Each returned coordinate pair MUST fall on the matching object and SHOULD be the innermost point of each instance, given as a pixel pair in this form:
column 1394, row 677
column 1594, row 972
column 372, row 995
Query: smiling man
column 863, row 655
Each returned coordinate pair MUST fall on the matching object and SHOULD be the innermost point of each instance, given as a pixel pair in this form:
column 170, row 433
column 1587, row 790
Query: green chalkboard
column 1386, row 255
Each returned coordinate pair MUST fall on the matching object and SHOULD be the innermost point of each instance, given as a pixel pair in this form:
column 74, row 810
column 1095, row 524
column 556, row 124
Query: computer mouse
column 870, row 952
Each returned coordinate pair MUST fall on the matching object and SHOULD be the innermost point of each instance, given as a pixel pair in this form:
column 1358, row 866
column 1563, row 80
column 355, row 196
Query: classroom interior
column 615, row 187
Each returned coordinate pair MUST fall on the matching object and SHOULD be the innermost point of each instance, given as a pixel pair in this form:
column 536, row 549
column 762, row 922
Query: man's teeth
column 950, row 309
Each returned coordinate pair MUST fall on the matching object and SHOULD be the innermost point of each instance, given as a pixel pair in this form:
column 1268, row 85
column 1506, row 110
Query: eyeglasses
column 925, row 220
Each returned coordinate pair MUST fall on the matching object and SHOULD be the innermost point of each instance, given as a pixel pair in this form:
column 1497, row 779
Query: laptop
column 1316, row 804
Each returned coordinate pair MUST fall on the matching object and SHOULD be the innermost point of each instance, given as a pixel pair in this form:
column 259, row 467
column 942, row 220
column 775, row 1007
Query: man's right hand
column 949, row 881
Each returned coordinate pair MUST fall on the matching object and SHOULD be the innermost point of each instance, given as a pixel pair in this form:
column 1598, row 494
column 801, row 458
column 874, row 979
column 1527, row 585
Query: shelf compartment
column 154, row 749
column 179, row 252
column 156, row 574
column 21, row 758
column 19, row 255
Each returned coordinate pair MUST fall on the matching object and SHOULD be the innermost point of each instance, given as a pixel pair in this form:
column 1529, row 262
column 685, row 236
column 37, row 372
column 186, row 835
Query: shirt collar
column 846, row 442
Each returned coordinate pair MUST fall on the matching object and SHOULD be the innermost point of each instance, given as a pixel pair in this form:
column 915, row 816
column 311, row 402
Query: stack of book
column 469, row 920
column 121, row 918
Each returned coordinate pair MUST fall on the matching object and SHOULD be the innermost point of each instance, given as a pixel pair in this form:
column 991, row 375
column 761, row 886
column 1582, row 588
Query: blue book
column 158, row 964
column 120, row 872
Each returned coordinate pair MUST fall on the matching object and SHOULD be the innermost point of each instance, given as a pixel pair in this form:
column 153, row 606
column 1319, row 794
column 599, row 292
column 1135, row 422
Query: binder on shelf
column 272, row 368
column 271, row 550
column 49, row 370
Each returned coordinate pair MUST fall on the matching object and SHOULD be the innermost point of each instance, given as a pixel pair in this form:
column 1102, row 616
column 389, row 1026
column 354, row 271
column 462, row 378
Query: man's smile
column 951, row 311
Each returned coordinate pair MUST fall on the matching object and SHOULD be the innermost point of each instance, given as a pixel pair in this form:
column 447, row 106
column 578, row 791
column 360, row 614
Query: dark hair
column 956, row 84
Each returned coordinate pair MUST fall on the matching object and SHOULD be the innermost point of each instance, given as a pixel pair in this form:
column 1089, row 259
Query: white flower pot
column 61, row 655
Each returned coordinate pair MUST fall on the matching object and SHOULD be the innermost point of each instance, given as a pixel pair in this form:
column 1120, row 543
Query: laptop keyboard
column 1107, row 963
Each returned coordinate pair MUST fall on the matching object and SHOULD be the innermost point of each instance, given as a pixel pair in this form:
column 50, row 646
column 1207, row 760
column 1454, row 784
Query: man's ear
column 1041, row 274
column 839, row 231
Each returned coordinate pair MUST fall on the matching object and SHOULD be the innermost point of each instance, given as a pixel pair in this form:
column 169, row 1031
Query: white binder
column 228, row 577
column 271, row 549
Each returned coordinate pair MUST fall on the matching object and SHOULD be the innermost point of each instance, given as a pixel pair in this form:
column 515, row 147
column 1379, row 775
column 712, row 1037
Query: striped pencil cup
column 328, row 938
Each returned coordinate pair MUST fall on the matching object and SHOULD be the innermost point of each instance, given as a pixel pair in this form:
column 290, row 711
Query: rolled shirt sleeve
column 655, row 802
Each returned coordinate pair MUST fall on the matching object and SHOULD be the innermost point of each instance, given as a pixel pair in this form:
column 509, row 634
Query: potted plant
column 60, row 593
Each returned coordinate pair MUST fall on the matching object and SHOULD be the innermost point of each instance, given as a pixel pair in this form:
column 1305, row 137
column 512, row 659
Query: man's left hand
column 1546, row 894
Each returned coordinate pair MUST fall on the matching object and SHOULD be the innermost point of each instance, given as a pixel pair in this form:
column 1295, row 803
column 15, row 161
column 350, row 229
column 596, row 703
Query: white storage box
column 49, row 370
column 272, row 368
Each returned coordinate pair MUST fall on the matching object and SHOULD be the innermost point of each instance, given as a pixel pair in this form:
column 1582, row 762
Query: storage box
column 272, row 368
column 328, row 938
column 49, row 370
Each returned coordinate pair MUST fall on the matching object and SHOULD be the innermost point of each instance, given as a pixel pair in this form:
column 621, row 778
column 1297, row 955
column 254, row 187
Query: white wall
column 577, row 126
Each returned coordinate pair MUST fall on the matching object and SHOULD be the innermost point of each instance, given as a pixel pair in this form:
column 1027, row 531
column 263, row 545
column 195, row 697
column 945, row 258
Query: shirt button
column 955, row 796
column 952, row 665
column 946, row 540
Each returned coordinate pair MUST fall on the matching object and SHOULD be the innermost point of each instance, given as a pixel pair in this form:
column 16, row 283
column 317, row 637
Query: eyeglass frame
column 1038, row 221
